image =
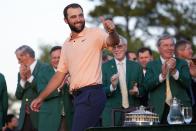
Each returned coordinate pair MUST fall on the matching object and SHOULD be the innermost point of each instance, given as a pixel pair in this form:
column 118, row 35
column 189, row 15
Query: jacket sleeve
column 151, row 80
column 184, row 75
column 4, row 97
column 43, row 79
column 19, row 89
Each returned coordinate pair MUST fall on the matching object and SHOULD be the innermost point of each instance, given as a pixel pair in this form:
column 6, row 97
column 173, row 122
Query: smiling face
column 55, row 56
column 119, row 51
column 166, row 48
column 75, row 19
column 144, row 58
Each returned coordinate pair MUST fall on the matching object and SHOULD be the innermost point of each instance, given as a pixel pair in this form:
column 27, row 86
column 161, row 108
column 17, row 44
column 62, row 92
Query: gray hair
column 123, row 40
column 164, row 37
column 26, row 49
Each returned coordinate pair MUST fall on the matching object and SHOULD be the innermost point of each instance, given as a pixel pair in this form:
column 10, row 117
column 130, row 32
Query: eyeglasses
column 118, row 47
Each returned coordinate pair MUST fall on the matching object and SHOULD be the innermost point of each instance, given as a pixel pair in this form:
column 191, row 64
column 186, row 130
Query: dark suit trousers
column 89, row 103
column 27, row 126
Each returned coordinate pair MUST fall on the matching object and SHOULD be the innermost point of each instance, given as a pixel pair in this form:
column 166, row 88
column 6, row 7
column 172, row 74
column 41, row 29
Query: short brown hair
column 73, row 5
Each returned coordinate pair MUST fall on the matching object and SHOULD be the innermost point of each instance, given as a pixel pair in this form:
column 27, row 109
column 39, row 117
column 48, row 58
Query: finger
column 173, row 59
column 32, row 105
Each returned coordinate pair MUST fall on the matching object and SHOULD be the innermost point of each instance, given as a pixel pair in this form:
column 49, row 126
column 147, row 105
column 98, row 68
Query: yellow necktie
column 123, row 86
column 168, row 90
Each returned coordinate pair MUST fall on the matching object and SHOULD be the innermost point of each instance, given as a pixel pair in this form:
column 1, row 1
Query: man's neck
column 74, row 35
column 10, row 127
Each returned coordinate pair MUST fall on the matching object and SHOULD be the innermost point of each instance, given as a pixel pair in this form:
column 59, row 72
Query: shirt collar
column 32, row 66
column 118, row 62
column 188, row 62
column 55, row 69
column 162, row 60
column 82, row 33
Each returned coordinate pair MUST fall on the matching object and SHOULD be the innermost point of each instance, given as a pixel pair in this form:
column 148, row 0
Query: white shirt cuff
column 176, row 75
column 112, row 88
column 30, row 79
column 161, row 78
column 22, row 83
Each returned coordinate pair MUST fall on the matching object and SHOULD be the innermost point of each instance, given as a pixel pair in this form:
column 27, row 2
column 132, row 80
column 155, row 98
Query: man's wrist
column 173, row 71
column 163, row 75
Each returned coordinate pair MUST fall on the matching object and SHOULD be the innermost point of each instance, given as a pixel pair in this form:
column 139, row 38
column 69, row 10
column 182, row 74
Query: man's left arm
column 183, row 75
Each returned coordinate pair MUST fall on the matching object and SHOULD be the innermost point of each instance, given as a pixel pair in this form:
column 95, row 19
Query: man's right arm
column 54, row 83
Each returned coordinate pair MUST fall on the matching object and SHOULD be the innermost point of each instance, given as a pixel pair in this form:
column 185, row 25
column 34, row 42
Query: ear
column 158, row 48
column 65, row 20
column 125, row 47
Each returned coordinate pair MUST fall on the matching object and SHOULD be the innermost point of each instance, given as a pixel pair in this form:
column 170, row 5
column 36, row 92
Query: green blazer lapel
column 113, row 67
column 128, row 75
column 159, row 63
column 36, row 69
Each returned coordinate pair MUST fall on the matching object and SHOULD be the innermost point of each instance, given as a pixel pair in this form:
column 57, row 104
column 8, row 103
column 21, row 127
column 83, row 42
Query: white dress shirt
column 117, row 65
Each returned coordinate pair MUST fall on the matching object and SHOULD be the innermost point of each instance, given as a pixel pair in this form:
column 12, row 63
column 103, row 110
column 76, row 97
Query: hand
column 171, row 63
column 108, row 25
column 164, row 70
column 134, row 91
column 36, row 104
column 28, row 72
column 23, row 72
column 114, row 80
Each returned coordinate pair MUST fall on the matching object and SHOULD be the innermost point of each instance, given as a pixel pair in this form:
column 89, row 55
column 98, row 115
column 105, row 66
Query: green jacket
column 157, row 90
column 51, row 109
column 133, row 74
column 3, row 100
column 26, row 95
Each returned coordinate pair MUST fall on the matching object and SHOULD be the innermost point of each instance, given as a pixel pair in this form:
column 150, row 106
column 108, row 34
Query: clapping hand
column 171, row 65
column 134, row 91
column 23, row 70
column 114, row 80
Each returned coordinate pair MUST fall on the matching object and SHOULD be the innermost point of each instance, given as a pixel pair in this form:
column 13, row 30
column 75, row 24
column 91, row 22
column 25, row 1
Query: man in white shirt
column 119, row 92
column 169, row 71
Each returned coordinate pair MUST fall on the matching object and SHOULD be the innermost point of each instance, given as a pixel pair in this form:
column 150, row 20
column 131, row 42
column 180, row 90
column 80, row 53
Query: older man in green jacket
column 167, row 74
column 27, row 87
column 112, row 82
